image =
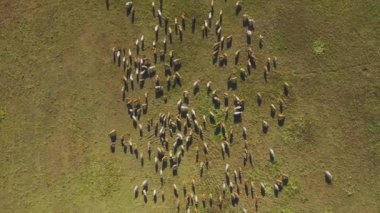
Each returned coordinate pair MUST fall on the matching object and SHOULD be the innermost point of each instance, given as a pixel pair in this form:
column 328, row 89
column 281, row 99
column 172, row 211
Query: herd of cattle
column 184, row 126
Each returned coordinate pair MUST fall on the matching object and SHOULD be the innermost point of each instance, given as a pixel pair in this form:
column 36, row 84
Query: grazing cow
column 237, row 56
column 281, row 119
column 285, row 180
column 113, row 135
column 130, row 146
column 221, row 16
column 232, row 82
column 226, row 146
column 226, row 168
column 275, row 62
column 178, row 205
column 265, row 73
column 107, row 4
column 193, row 22
column 154, row 196
column 133, row 11
column 235, row 199
column 118, row 56
column 180, row 33
column 114, row 54
column 159, row 91
column 197, row 154
column 176, row 25
column 271, row 155
column 193, row 116
column 142, row 42
column 175, row 169
column 113, row 147
column 144, row 185
column 272, row 110
column 249, row 36
column 142, row 160
column 184, row 189
column 201, row 169
column 128, row 7
column 193, row 185
column 246, row 190
column 136, row 151
column 161, row 177
column 250, row 159
column 229, row 41
column 282, row 104
column 265, row 127
column 268, row 64
column 205, row 148
column 183, row 21
column 243, row 74
column 245, row 156
column 259, row 99
column 159, row 17
column 177, row 79
column 214, row 56
column 136, row 191
column 156, row 30
column 166, row 21
column 204, row 121
column 245, row 20
column 328, row 177
column 209, row 19
column 212, row 7
column 261, row 41
column 238, row 8
column 276, row 190
column 220, row 203
column 177, row 64
column 141, row 130
column 235, row 176
column 226, row 102
column 153, row 9
column 252, row 189
column 262, row 189
column 286, row 89
column 155, row 55
column 224, row 189
column 161, row 4
column 196, row 87
column 240, row 174
column 245, row 133
column 251, row 25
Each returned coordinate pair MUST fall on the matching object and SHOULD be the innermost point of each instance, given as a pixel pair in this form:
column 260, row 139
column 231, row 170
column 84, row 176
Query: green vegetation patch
column 282, row 43
column 300, row 130
column 373, row 136
column 319, row 47
column 2, row 115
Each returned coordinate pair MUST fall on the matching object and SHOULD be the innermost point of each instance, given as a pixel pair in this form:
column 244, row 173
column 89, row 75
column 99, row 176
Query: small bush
column 2, row 115
column 319, row 47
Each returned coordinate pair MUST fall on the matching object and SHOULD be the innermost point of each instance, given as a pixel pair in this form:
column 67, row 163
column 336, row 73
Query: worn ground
column 60, row 96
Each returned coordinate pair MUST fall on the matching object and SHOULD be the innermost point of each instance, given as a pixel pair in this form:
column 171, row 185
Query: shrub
column 319, row 47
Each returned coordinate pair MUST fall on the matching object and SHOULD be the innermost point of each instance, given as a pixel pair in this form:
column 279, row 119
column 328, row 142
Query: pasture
column 60, row 96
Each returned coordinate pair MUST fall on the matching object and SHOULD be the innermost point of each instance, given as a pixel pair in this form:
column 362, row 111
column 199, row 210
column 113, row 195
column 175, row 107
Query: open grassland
column 60, row 96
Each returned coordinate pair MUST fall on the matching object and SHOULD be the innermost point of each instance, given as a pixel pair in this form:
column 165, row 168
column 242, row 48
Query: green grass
column 2, row 115
column 319, row 47
column 60, row 96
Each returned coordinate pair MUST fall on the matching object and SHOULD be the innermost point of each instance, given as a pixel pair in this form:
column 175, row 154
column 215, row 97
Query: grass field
column 60, row 97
